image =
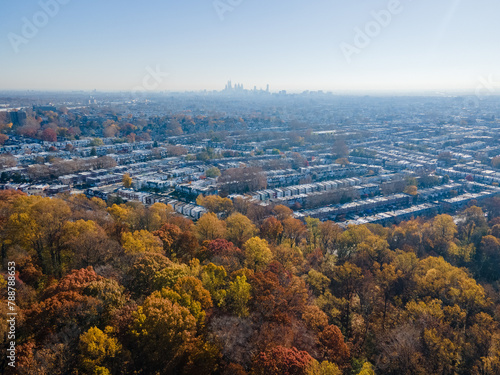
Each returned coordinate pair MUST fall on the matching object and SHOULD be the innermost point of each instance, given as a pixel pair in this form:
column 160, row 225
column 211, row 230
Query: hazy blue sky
column 292, row 45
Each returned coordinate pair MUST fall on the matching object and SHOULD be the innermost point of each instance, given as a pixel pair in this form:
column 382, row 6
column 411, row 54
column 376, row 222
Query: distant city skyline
column 330, row 45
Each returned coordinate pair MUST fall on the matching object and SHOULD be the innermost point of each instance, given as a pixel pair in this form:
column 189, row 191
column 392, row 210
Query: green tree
column 214, row 280
column 213, row 172
column 96, row 142
column 312, row 225
column 189, row 292
column 168, row 276
column 238, row 296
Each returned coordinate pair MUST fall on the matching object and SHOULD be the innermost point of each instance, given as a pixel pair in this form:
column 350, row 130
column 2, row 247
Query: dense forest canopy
column 116, row 289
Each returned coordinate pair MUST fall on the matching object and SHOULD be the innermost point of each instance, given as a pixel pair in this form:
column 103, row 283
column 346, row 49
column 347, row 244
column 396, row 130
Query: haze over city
column 423, row 46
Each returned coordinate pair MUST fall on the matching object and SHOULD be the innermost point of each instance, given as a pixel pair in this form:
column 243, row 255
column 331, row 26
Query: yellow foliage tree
column 215, row 204
column 257, row 253
column 141, row 241
column 436, row 278
column 239, row 229
column 98, row 351
column 367, row 369
column 127, row 181
column 209, row 227
column 323, row 368
column 157, row 215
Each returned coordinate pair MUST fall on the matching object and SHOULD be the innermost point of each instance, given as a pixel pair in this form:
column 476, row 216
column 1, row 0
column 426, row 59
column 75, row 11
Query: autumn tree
column 189, row 292
column 282, row 361
column 436, row 278
column 96, row 142
column 209, row 227
column 271, row 229
column 324, row 368
column 488, row 258
column 87, row 243
column 164, row 333
column 141, row 241
column 64, row 304
column 342, row 161
column 441, row 233
column 157, row 215
column 49, row 135
column 329, row 234
column 42, row 360
column 239, row 229
column 278, row 295
column 186, row 247
column 214, row 279
column 333, row 345
column 367, row 369
column 36, row 224
column 411, row 190
column 215, row 204
column 282, row 212
column 238, row 296
column 312, row 225
column 99, row 352
column 127, row 181
column 314, row 318
column 169, row 235
column 345, row 281
column 167, row 277
column 401, row 352
column 223, row 253
column 125, row 217
column 350, row 240
column 294, row 230
column 140, row 276
column 474, row 225
column 407, row 236
column 257, row 253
